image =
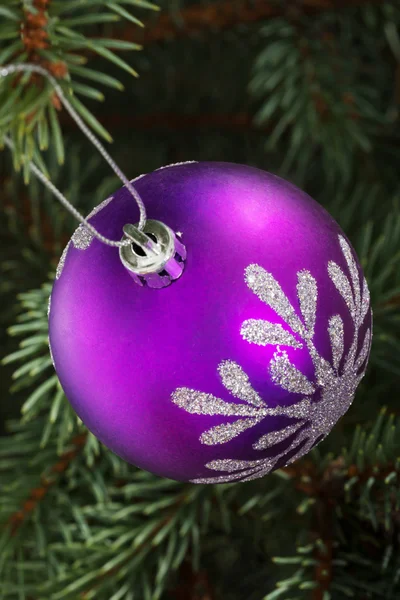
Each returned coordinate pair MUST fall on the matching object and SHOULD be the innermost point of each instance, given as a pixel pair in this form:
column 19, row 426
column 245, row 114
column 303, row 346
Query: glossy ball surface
column 245, row 362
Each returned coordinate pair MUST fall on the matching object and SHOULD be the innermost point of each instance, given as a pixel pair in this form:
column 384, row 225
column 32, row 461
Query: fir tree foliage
column 309, row 91
column 56, row 39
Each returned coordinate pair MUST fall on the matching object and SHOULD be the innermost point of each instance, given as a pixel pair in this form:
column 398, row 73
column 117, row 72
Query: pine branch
column 172, row 513
column 222, row 15
column 332, row 111
column 35, row 37
column 366, row 475
column 46, row 481
column 48, row 34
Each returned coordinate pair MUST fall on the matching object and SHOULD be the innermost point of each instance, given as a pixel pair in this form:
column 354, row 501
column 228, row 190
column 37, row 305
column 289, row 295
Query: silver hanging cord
column 23, row 67
column 40, row 175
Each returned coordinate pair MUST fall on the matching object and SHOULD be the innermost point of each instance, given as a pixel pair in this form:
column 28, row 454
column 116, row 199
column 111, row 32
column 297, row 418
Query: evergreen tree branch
column 171, row 514
column 331, row 108
column 46, row 481
column 48, row 34
column 367, row 475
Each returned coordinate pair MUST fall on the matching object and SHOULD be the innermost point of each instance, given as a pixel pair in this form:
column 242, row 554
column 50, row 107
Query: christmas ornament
column 243, row 350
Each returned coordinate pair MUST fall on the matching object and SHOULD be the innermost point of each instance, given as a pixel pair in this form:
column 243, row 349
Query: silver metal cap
column 155, row 257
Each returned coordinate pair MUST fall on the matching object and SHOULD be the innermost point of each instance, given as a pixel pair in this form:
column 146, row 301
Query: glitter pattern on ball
column 316, row 417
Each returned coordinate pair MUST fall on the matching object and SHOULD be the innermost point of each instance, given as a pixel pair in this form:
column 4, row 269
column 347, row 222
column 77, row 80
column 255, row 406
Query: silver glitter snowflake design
column 82, row 237
column 335, row 382
column 61, row 262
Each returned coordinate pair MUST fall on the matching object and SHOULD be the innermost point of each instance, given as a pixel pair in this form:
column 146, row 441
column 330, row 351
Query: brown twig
column 37, row 494
column 318, row 486
column 327, row 489
column 176, row 122
column 226, row 15
column 192, row 585
column 240, row 121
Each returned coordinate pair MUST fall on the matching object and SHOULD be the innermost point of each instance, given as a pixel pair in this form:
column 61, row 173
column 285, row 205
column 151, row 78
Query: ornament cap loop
column 155, row 257
column 141, row 239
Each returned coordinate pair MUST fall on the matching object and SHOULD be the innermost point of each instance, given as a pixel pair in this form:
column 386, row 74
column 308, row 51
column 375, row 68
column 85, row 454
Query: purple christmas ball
column 245, row 362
